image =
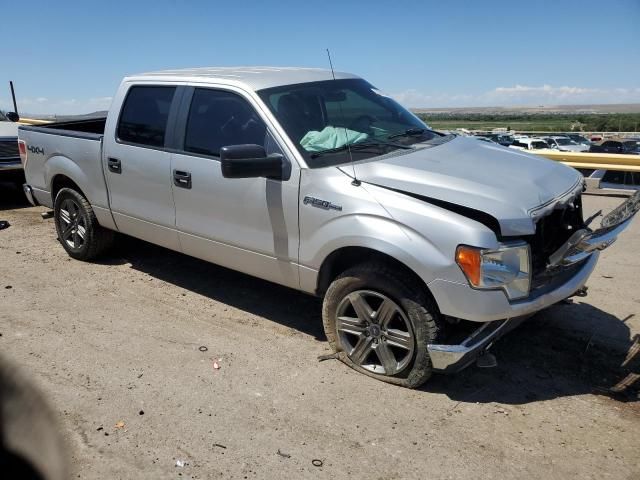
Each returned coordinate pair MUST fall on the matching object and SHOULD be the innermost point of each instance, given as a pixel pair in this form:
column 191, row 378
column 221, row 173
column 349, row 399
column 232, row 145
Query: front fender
column 374, row 232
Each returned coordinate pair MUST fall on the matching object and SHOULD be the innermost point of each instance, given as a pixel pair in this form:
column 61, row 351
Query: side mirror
column 12, row 116
column 251, row 161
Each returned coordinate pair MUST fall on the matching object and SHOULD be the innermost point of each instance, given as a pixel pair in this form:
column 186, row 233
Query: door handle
column 114, row 165
column 181, row 179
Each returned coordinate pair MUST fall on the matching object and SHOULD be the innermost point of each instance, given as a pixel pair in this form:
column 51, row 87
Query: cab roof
column 251, row 78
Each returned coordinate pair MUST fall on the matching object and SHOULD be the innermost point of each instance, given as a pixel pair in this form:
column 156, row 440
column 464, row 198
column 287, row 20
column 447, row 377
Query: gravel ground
column 120, row 341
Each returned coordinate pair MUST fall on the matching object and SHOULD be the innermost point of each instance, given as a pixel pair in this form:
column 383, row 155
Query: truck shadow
column 12, row 197
column 553, row 354
column 277, row 303
column 546, row 358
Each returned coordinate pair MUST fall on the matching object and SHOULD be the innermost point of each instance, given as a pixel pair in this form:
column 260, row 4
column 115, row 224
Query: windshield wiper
column 411, row 132
column 359, row 146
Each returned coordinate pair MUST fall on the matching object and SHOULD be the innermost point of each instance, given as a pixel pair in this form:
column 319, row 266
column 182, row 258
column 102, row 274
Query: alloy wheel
column 375, row 332
column 73, row 228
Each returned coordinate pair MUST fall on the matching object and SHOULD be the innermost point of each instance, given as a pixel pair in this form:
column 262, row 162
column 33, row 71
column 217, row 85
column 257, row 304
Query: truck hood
column 513, row 187
column 8, row 129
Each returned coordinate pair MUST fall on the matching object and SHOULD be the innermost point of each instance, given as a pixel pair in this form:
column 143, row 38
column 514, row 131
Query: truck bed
column 92, row 128
column 56, row 149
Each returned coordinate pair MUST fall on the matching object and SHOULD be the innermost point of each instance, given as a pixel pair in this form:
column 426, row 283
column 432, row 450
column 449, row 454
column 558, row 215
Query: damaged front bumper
column 453, row 358
column 578, row 256
column 501, row 317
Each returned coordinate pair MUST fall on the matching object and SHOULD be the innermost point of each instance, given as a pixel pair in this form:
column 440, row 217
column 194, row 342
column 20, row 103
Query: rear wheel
column 381, row 324
column 78, row 229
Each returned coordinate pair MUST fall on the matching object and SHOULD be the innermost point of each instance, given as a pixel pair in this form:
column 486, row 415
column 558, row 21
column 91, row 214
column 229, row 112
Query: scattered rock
column 283, row 455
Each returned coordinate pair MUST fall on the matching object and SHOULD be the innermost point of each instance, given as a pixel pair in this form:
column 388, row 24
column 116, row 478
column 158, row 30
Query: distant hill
column 65, row 118
column 533, row 110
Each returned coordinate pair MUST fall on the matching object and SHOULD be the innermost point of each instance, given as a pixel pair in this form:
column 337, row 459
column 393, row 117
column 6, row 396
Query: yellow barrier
column 33, row 121
column 595, row 161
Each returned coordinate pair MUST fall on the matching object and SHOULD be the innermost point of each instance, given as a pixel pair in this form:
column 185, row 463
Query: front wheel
column 381, row 324
column 78, row 229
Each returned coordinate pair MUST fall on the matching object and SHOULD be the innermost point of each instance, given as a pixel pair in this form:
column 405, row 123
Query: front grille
column 9, row 150
column 552, row 231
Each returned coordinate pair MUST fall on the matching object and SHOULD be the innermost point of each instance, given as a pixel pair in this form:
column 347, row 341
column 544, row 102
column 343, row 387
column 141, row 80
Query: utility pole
column 13, row 96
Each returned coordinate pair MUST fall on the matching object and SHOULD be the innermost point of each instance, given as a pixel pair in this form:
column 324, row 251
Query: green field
column 619, row 122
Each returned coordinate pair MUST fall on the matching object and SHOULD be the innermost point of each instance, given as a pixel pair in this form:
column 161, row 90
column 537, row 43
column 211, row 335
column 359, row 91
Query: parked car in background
column 579, row 139
column 529, row 144
column 610, row 180
column 564, row 144
column 630, row 147
column 10, row 164
column 501, row 138
column 632, row 144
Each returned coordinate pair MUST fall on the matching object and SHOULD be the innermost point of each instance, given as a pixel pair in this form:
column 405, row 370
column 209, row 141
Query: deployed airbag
column 330, row 137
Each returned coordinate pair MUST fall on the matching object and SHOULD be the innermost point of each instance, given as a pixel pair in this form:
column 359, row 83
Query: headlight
column 508, row 268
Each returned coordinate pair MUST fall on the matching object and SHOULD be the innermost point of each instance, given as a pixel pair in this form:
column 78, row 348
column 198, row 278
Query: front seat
column 292, row 116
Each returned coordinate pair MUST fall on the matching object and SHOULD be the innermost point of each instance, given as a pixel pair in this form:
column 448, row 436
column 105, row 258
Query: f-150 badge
column 325, row 205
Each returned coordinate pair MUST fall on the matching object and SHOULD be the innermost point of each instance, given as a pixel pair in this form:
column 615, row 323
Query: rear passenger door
column 251, row 224
column 138, row 164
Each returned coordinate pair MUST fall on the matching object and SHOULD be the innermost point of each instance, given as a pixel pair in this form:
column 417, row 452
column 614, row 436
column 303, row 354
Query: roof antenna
column 355, row 182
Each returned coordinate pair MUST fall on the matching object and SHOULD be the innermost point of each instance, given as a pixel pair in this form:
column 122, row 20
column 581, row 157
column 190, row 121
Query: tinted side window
column 218, row 119
column 144, row 115
column 621, row 177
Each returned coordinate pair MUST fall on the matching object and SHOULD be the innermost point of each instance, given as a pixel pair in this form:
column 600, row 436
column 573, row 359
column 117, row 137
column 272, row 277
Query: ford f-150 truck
column 425, row 247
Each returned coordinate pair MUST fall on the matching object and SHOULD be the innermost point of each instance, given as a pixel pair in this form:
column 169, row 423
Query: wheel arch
column 344, row 258
column 60, row 181
column 61, row 172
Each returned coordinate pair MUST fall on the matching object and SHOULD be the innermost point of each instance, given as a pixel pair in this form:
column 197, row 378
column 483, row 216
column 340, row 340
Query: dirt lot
column 118, row 341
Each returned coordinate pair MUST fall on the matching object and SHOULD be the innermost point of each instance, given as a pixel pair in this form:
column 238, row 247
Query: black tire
column 78, row 229
column 420, row 315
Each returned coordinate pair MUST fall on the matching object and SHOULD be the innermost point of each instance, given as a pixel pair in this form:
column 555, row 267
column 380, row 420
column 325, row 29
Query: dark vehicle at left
column 10, row 164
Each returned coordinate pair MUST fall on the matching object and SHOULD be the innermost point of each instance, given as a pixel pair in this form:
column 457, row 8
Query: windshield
column 322, row 118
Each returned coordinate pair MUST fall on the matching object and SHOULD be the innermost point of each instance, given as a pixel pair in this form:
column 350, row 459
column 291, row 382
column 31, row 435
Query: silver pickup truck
column 425, row 247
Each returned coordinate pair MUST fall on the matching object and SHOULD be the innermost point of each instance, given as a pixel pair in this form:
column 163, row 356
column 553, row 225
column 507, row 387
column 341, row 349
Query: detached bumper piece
column 584, row 242
column 453, row 358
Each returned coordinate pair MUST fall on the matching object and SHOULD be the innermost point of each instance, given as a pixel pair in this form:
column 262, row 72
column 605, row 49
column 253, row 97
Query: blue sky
column 69, row 56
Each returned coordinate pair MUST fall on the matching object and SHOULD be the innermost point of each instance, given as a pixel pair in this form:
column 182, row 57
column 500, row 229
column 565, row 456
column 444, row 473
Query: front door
column 250, row 225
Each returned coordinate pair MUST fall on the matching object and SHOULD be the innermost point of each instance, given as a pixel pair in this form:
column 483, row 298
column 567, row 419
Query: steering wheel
column 362, row 123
